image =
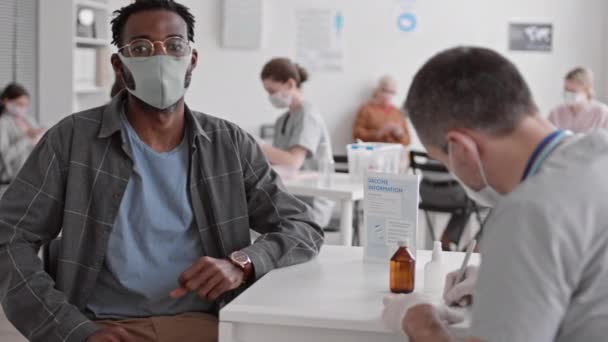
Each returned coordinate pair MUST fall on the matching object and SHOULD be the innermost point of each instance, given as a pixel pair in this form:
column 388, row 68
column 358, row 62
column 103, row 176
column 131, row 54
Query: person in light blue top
column 144, row 260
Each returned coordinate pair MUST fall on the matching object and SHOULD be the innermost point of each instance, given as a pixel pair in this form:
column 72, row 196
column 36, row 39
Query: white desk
column 335, row 297
column 343, row 190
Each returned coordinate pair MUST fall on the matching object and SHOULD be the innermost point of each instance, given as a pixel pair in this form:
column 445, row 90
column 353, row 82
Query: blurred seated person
column 580, row 112
column 379, row 120
column 19, row 133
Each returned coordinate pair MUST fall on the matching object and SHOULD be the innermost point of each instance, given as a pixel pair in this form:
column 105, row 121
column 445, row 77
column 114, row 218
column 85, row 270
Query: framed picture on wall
column 531, row 37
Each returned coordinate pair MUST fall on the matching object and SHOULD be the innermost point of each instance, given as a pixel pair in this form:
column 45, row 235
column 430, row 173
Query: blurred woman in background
column 379, row 120
column 580, row 112
column 18, row 132
column 300, row 135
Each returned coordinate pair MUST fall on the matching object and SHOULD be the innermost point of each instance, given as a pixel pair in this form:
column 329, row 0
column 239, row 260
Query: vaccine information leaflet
column 391, row 214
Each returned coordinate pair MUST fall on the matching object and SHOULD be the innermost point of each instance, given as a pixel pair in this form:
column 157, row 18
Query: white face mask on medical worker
column 487, row 196
column 573, row 98
column 280, row 100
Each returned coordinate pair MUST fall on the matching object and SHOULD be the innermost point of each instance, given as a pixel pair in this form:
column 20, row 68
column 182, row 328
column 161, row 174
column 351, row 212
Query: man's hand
column 209, row 278
column 396, row 307
column 460, row 293
column 386, row 130
column 423, row 323
column 111, row 334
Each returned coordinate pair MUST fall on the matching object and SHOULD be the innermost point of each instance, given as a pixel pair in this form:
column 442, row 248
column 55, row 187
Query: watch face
column 240, row 258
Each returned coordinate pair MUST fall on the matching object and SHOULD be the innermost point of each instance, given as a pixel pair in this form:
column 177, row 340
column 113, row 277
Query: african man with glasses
column 154, row 203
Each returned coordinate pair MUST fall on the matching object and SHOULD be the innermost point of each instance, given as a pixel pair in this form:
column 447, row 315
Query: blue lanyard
column 542, row 152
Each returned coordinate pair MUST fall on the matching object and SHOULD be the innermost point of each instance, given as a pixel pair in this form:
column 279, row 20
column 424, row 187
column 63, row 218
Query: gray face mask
column 160, row 81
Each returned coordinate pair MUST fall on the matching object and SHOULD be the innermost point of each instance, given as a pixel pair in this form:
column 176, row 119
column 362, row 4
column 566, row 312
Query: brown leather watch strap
column 248, row 272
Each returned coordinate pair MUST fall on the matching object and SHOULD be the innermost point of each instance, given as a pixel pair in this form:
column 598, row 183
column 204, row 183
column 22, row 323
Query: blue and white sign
column 319, row 39
column 391, row 214
column 406, row 16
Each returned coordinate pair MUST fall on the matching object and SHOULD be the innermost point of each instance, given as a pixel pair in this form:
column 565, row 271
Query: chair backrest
column 421, row 161
column 439, row 191
column 341, row 163
column 267, row 131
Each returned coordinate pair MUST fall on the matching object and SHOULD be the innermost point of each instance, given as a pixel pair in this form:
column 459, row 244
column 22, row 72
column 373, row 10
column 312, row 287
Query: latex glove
column 396, row 307
column 457, row 294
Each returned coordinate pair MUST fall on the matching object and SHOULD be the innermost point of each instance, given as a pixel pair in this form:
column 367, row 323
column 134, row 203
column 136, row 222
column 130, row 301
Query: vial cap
column 402, row 243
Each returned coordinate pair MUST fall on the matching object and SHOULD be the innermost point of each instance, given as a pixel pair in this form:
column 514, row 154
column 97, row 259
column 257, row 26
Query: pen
column 465, row 262
column 463, row 269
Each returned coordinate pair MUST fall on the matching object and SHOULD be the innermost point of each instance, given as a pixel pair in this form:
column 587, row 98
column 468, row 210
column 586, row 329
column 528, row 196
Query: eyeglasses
column 173, row 46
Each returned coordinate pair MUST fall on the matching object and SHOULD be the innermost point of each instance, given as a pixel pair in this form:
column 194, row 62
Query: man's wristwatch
column 242, row 261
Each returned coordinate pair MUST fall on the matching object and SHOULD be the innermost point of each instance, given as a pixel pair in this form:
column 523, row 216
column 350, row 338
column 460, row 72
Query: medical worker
column 581, row 112
column 300, row 135
column 544, row 270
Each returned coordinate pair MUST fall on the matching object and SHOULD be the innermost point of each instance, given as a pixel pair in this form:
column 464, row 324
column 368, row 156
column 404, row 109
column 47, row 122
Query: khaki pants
column 189, row 327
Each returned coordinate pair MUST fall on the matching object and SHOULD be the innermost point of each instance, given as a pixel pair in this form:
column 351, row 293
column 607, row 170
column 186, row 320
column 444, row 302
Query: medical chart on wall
column 319, row 42
column 391, row 214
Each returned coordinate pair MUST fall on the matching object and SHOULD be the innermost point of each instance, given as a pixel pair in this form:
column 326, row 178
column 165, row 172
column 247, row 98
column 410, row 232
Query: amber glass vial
column 403, row 270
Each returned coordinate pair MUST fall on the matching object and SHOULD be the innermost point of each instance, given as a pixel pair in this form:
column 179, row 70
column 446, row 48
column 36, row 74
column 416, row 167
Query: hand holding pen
column 459, row 285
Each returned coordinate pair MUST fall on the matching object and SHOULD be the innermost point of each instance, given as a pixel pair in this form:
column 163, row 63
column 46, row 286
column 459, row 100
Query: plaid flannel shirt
column 73, row 183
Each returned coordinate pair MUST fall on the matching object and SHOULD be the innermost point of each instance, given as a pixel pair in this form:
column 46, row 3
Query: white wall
column 56, row 47
column 227, row 83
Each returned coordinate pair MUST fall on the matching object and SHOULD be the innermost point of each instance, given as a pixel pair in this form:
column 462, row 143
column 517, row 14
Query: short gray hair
column 467, row 87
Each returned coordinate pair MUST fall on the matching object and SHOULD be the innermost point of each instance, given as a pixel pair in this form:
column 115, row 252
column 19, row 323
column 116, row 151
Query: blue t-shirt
column 153, row 240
